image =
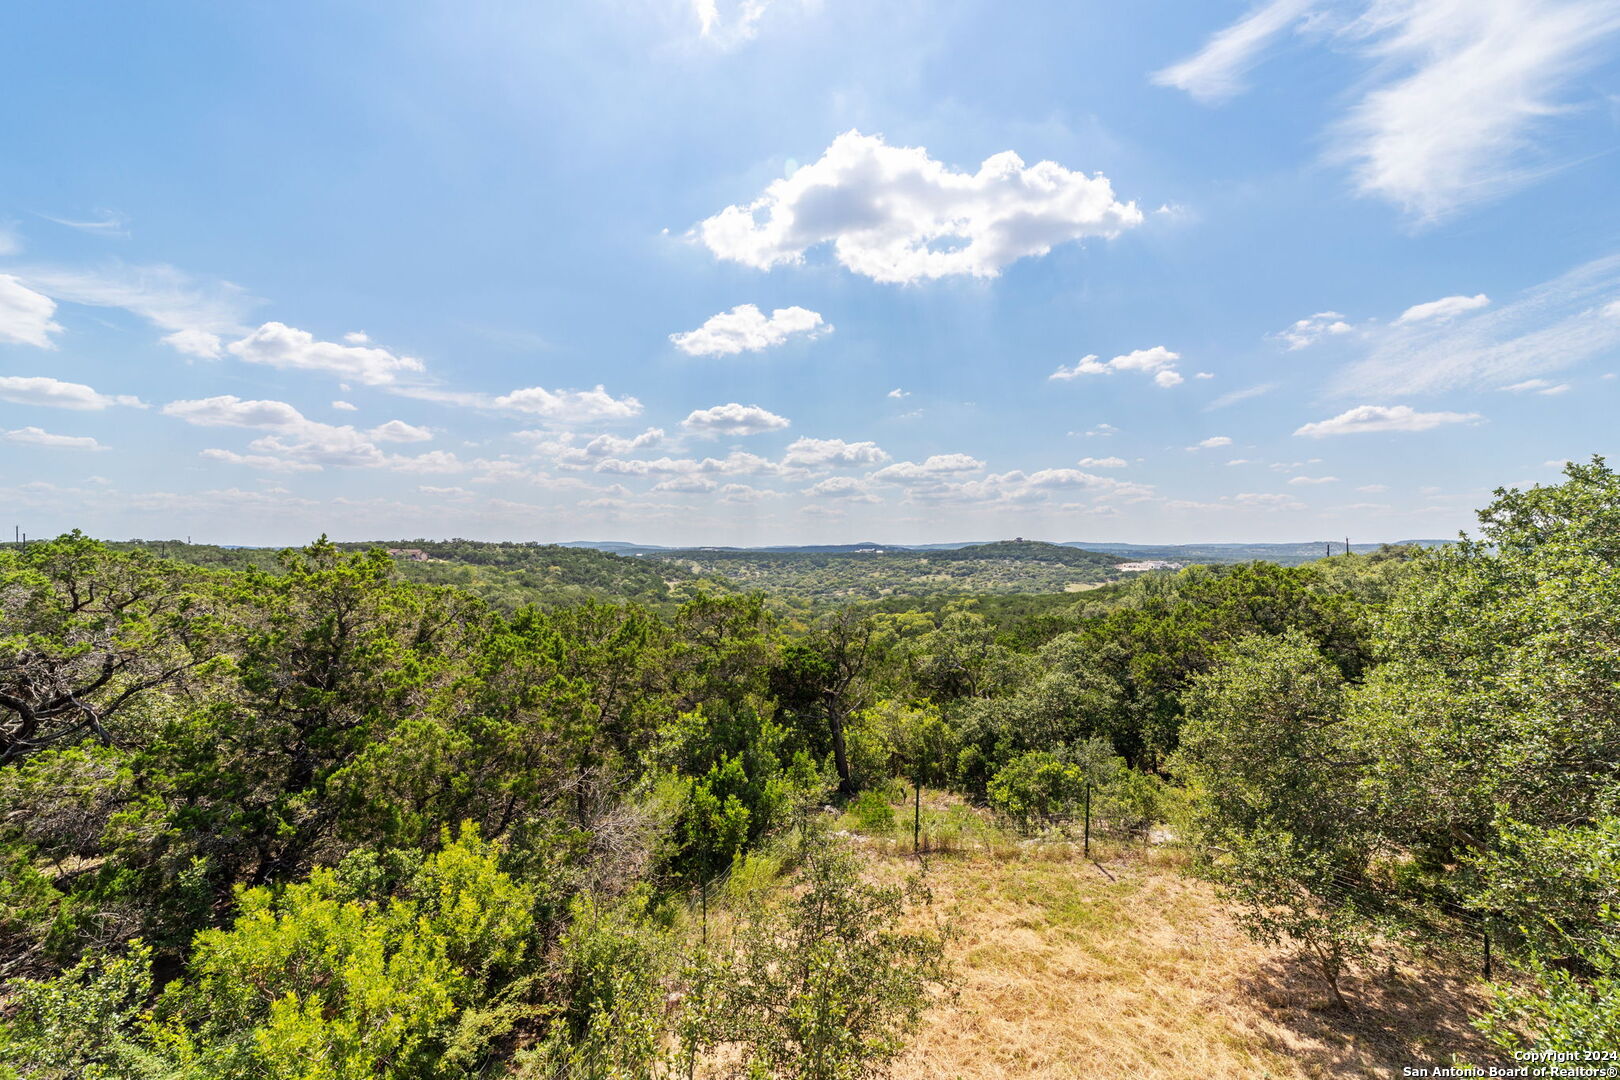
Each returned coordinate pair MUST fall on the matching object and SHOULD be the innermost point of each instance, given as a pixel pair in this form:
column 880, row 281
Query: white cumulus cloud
column 840, row 487
column 281, row 346
column 820, row 453
column 33, row 436
column 399, row 431
column 261, row 462
column 1308, row 331
column 609, row 445
column 1445, row 308
column 733, row 419
column 1368, row 418
column 570, row 406
column 1101, row 463
column 228, row 410
column 737, row 463
column 685, row 485
column 56, row 394
column 747, row 329
column 931, row 470
column 296, row 443
column 894, row 214
column 195, row 342
column 1158, row 362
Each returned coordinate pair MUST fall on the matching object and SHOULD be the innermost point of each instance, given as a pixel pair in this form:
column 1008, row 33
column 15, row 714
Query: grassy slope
column 1129, row 967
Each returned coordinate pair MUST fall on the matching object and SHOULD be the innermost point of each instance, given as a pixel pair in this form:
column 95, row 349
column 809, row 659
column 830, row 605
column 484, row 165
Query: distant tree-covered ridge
column 507, row 574
column 510, row 574
column 866, row 574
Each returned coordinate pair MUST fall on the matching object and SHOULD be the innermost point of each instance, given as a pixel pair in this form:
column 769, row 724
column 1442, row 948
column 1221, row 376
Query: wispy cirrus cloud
column 105, row 223
column 25, row 315
column 1236, row 396
column 196, row 312
column 1553, row 326
column 1217, row 71
column 1456, row 93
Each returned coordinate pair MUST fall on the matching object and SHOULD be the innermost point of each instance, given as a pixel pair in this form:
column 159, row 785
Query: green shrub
column 80, row 1025
column 824, row 986
column 1036, row 789
column 615, row 960
column 310, row 984
column 1129, row 801
column 873, row 812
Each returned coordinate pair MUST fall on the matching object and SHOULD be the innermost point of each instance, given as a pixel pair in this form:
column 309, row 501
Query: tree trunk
column 846, row 785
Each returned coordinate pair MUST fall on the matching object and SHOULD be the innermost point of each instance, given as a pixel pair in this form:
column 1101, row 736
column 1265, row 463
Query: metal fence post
column 916, row 821
column 1088, row 819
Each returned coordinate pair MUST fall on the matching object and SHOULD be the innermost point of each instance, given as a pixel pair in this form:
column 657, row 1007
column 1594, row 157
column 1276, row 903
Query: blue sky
column 701, row 271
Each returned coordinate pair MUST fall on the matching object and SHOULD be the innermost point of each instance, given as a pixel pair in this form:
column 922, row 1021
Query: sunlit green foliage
column 825, row 986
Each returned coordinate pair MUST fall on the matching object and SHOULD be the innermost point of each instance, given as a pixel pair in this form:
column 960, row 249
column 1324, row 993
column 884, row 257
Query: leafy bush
column 616, row 959
column 1129, row 801
column 310, row 982
column 81, row 1024
column 1560, row 1010
column 1036, row 789
column 823, row 987
column 873, row 811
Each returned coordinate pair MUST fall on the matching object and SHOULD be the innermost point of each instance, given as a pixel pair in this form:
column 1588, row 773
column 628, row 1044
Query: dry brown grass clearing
column 1129, row 967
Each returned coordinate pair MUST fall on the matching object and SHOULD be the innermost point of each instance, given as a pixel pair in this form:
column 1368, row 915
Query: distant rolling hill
column 868, row 572
column 1286, row 554
column 512, row 574
column 508, row 575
